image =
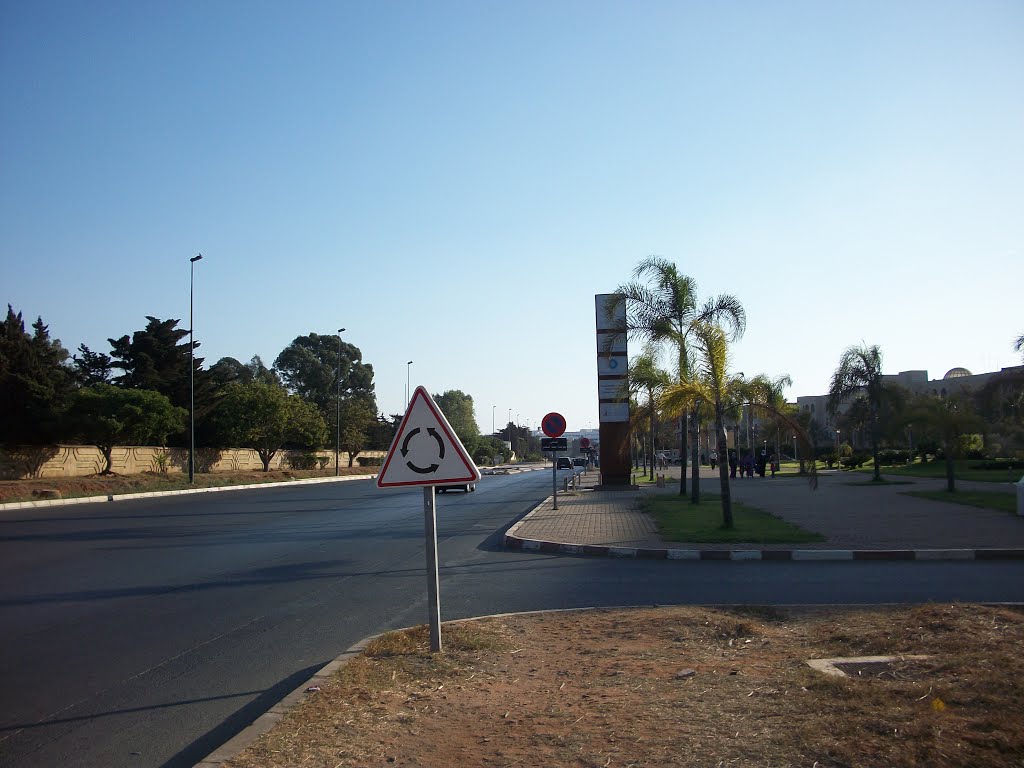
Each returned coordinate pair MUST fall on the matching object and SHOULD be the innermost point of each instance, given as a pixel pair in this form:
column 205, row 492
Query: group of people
column 747, row 465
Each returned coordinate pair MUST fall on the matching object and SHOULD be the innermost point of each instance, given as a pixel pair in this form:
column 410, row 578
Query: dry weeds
column 670, row 687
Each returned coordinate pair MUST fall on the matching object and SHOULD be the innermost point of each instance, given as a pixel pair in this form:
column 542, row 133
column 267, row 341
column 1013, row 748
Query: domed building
column 957, row 373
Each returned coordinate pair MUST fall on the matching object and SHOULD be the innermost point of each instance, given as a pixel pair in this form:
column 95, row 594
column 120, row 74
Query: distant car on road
column 579, row 461
column 563, row 462
column 467, row 487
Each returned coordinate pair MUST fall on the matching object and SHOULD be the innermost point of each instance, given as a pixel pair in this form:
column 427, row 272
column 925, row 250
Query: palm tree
column 710, row 383
column 859, row 375
column 645, row 377
column 664, row 312
column 1018, row 343
column 769, row 403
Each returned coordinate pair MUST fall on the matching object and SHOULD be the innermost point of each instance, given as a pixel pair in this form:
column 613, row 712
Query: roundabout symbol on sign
column 440, row 451
column 553, row 424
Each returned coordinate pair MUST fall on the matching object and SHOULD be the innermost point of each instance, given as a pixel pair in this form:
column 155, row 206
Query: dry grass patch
column 669, row 687
column 147, row 482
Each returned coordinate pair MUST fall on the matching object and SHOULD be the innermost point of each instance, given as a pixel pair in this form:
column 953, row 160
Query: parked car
column 579, row 461
column 467, row 487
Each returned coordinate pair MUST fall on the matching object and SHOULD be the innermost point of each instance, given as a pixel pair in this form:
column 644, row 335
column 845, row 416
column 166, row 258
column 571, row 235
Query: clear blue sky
column 453, row 182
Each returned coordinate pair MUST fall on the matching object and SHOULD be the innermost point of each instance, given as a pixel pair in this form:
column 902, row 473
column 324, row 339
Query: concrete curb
column 244, row 738
column 734, row 555
column 182, row 492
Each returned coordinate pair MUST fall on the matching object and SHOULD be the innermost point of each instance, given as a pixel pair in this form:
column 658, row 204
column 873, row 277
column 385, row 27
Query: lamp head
column 194, row 259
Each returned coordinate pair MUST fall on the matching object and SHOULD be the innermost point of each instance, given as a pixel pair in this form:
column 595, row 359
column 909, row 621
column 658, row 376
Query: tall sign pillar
column 613, row 390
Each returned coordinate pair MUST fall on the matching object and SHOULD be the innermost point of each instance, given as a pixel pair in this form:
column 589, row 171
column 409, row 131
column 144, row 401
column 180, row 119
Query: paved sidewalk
column 863, row 522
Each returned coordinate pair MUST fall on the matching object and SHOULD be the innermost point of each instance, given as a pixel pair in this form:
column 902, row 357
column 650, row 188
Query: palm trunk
column 874, row 446
column 682, row 455
column 653, row 454
column 695, row 458
column 723, row 467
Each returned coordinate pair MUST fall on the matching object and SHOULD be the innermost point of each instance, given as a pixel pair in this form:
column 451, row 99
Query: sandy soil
column 672, row 687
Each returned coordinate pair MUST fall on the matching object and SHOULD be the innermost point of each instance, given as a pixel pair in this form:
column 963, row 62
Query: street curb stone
column 738, row 555
column 181, row 492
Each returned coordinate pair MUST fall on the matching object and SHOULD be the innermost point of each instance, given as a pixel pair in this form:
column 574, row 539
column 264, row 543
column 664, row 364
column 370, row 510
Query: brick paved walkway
column 850, row 516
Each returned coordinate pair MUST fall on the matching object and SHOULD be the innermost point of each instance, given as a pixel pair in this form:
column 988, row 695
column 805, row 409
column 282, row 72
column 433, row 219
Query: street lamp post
column 795, row 456
column 337, row 418
column 408, row 382
column 191, row 373
column 493, row 409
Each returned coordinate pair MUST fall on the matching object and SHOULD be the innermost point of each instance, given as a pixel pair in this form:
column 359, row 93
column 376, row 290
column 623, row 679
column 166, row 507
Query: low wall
column 79, row 460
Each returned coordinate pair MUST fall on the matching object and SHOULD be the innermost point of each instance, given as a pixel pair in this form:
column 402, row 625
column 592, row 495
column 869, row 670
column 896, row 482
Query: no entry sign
column 553, row 424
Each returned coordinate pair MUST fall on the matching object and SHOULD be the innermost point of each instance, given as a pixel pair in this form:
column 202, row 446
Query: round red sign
column 584, row 442
column 553, row 424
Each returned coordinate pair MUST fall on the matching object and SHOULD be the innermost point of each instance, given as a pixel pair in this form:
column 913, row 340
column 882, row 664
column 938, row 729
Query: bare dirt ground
column 104, row 485
column 672, row 687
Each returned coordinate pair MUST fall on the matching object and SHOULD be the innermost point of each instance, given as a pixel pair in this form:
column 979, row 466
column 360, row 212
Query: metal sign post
column 427, row 452
column 554, row 477
column 433, row 583
column 553, row 425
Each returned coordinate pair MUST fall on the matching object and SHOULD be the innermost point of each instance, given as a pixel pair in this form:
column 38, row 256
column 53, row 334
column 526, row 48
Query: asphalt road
column 146, row 633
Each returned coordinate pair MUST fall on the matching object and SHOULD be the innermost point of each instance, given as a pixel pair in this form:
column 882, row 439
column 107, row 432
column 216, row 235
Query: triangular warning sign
column 426, row 450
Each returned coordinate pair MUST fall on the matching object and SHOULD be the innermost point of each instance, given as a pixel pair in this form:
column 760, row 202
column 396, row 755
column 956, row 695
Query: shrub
column 162, row 460
column 890, row 456
column 1007, row 464
column 855, row 460
column 302, row 461
column 369, row 461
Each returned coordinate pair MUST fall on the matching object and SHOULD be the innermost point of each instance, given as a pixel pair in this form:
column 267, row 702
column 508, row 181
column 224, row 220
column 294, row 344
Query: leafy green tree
column 92, row 367
column 665, row 311
column 107, row 416
column 948, row 420
column 34, row 383
column 859, row 375
column 457, row 407
column 154, row 359
column 266, row 418
column 1000, row 403
column 486, row 449
column 309, row 367
column 228, row 370
column 356, row 421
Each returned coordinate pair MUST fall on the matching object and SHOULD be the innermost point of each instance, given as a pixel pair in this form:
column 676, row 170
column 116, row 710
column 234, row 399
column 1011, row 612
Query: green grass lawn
column 1004, row 502
column 877, row 483
column 679, row 520
column 964, row 470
